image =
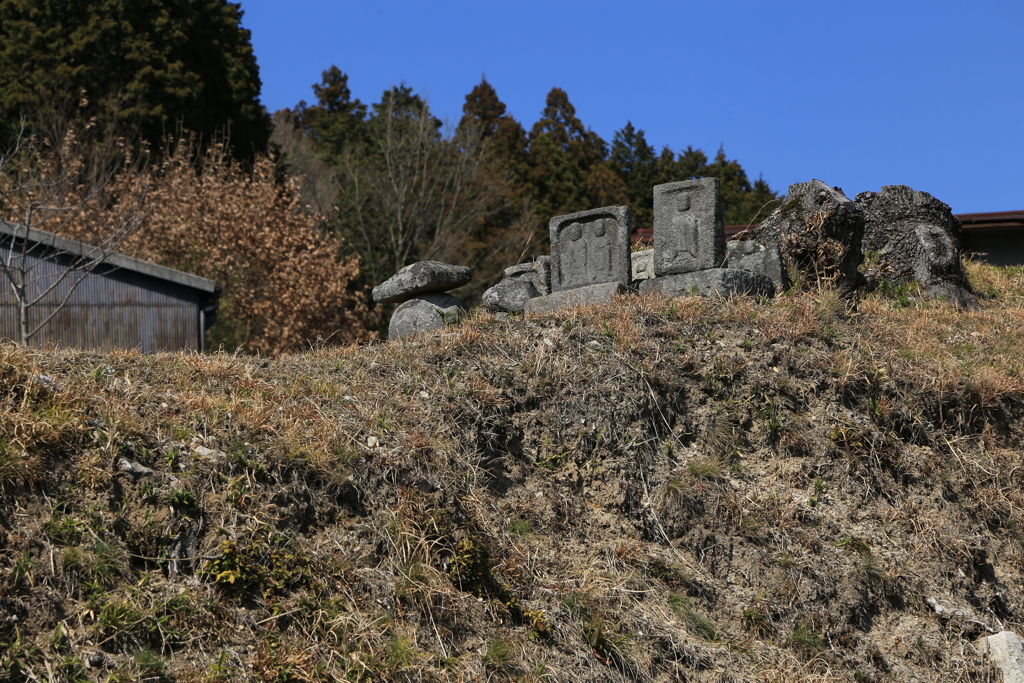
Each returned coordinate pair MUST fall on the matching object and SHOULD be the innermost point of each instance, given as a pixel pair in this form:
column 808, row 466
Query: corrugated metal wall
column 109, row 308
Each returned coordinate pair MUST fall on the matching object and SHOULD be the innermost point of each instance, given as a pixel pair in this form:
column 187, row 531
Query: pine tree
column 741, row 201
column 760, row 202
column 486, row 114
column 634, row 161
column 691, row 163
column 498, row 238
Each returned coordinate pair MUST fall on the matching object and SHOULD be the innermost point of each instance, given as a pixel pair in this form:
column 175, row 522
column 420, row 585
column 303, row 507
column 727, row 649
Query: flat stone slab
column 581, row 296
column 590, row 248
column 510, row 295
column 643, row 264
column 689, row 232
column 425, row 313
column 711, row 282
column 421, row 278
column 749, row 255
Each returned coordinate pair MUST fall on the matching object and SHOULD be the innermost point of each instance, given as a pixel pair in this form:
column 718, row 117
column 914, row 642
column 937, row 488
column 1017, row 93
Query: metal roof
column 998, row 220
column 86, row 251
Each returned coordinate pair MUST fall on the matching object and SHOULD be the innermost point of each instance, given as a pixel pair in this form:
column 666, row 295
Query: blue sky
column 857, row 93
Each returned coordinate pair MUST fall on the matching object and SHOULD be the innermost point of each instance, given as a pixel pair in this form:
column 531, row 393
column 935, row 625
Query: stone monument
column 689, row 233
column 421, row 288
column 590, row 248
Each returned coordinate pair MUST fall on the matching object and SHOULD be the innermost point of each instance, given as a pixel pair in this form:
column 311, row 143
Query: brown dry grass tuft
column 652, row 490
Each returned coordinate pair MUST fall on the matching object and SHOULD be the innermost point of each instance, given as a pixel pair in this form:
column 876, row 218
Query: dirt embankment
column 657, row 490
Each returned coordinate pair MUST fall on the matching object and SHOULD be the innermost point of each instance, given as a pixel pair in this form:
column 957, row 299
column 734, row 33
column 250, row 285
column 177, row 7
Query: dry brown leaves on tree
column 284, row 282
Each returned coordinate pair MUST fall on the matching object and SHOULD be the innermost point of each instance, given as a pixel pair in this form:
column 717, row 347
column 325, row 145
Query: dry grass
column 692, row 489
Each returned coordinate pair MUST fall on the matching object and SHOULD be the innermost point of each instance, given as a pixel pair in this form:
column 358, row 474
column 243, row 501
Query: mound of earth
column 653, row 490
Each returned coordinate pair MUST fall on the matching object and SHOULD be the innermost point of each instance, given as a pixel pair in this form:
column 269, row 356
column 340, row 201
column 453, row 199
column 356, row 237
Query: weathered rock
column 689, row 233
column 425, row 313
column 510, row 295
column 580, row 296
column 421, row 278
column 643, row 264
column 538, row 272
column 749, row 255
column 821, row 230
column 126, row 465
column 1006, row 650
column 204, row 452
column 711, row 282
column 918, row 238
column 590, row 248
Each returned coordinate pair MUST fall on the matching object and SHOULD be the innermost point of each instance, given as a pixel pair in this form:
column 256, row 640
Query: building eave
column 89, row 252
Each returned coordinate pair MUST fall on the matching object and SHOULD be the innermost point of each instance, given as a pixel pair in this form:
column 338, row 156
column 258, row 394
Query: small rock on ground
column 1006, row 650
column 509, row 295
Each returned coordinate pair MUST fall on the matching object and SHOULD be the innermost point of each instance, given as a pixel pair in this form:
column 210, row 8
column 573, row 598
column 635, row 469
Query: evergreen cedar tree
column 338, row 124
column 559, row 167
column 336, row 121
column 147, row 68
column 568, row 171
column 562, row 166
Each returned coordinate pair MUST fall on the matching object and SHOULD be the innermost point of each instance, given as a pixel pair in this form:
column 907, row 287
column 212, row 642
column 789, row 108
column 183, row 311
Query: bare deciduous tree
column 403, row 188
column 317, row 180
column 47, row 187
column 418, row 193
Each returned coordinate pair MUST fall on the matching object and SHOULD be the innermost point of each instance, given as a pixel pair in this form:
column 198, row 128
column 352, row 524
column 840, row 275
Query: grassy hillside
column 657, row 490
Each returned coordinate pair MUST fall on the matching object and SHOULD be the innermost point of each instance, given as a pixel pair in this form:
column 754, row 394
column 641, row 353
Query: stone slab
column 581, row 296
column 537, row 271
column 510, row 295
column 1006, row 650
column 711, row 282
column 643, row 264
column 749, row 255
column 425, row 313
column 590, row 248
column 689, row 232
column 421, row 278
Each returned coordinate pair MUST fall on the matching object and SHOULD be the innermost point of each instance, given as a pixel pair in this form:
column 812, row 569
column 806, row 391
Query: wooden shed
column 97, row 300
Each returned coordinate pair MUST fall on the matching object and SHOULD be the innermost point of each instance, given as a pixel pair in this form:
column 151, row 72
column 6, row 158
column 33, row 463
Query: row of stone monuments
column 591, row 261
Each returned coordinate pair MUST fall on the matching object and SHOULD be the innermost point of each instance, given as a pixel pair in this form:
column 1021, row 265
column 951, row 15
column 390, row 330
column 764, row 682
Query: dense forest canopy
column 559, row 166
column 138, row 68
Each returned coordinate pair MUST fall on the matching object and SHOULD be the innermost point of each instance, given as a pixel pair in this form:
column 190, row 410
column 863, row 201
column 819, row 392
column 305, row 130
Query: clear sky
column 858, row 93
